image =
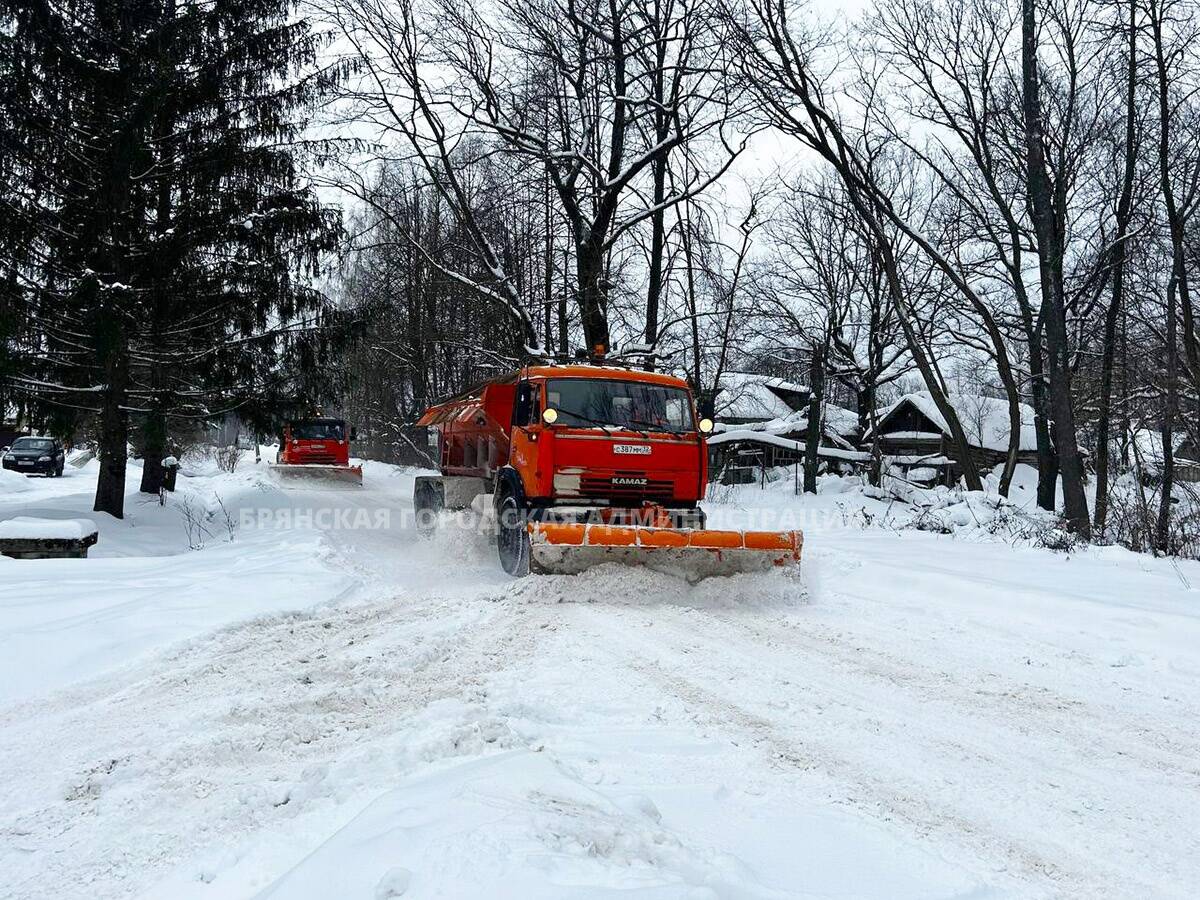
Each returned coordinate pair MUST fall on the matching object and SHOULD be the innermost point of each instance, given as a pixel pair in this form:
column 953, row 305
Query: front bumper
column 32, row 467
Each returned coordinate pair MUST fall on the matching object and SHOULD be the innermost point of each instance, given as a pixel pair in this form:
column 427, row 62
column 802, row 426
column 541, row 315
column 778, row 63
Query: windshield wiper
column 657, row 427
column 604, row 424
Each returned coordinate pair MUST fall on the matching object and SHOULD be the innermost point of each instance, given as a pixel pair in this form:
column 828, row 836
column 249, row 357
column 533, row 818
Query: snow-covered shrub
column 227, row 458
column 1132, row 519
column 720, row 493
column 929, row 520
column 1056, row 537
column 1131, row 515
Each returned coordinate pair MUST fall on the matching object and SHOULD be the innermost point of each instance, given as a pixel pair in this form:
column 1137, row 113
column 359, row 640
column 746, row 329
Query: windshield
column 317, row 431
column 596, row 402
column 32, row 444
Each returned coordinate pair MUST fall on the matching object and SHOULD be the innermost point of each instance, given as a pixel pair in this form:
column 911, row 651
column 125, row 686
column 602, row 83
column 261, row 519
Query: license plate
column 631, row 449
column 24, row 462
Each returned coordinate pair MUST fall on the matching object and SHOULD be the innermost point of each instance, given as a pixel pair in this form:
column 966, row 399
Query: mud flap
column 691, row 554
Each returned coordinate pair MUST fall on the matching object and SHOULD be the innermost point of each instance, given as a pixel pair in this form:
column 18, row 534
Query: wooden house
column 915, row 438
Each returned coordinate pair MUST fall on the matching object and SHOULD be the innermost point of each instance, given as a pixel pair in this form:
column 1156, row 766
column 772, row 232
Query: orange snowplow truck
column 588, row 464
column 316, row 450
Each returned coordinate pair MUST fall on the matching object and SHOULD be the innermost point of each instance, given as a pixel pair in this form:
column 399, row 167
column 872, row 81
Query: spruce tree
column 180, row 240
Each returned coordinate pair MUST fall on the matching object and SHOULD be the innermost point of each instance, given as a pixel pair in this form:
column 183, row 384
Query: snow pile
column 31, row 528
column 12, row 482
column 613, row 583
column 80, row 456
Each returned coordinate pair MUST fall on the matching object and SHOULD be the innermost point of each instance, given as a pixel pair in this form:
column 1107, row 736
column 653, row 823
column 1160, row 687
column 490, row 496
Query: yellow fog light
column 706, row 425
column 550, row 415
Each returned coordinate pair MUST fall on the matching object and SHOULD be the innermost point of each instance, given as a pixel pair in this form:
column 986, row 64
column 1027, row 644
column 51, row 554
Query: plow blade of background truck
column 317, row 477
column 692, row 554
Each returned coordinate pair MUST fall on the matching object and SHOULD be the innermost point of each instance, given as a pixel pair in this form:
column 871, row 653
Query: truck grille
column 316, row 459
column 635, row 486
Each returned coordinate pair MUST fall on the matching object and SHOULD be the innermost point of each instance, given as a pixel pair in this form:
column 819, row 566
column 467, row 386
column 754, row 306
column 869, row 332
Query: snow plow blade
column 570, row 548
column 317, row 477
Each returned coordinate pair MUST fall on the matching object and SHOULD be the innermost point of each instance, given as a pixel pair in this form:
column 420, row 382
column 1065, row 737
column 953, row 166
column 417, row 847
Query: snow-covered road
column 914, row 716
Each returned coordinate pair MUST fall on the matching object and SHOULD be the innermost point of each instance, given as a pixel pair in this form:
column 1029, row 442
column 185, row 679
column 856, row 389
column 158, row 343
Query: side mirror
column 353, row 434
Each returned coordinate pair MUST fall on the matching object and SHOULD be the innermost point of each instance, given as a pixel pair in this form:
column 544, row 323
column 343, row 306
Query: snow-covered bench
column 25, row 537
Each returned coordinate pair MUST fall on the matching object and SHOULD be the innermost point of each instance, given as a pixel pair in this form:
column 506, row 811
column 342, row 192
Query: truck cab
column 591, row 435
column 316, row 441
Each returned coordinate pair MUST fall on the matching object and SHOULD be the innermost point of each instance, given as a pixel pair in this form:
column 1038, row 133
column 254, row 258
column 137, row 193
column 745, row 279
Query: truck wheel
column 512, row 540
column 427, row 505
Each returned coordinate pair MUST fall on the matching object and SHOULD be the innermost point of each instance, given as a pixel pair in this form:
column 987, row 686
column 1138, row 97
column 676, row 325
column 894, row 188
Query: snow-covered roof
column 737, row 435
column 984, row 419
column 840, row 424
column 744, row 395
column 1148, row 444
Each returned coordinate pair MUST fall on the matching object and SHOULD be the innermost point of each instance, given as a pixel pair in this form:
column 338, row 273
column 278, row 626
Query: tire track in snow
column 991, row 697
column 235, row 733
column 698, row 657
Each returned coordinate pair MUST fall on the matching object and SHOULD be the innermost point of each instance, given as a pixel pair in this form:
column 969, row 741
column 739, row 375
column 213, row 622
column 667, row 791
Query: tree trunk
column 1047, row 486
column 1162, row 530
column 1014, row 441
column 1047, row 228
column 812, row 437
column 564, row 337
column 114, row 435
column 154, row 448
column 662, row 130
column 657, row 248
column 1177, row 285
column 590, row 268
column 865, row 403
column 1124, row 205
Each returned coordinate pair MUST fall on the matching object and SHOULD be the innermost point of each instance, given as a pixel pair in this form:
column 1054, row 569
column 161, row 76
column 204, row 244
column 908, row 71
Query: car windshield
column 317, row 431
column 32, row 444
column 596, row 402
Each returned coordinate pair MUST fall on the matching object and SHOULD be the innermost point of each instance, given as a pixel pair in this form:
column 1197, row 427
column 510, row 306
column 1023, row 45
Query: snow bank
column 12, row 482
column 145, row 584
column 62, row 620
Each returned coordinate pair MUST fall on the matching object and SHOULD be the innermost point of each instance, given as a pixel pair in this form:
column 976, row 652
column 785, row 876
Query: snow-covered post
column 170, row 469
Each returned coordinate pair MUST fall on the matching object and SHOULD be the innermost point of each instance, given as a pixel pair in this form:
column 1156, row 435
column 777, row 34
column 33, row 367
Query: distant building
column 737, row 452
column 915, row 437
column 1147, row 443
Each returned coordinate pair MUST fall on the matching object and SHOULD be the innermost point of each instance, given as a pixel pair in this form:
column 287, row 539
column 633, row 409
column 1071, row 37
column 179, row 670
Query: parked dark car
column 36, row 455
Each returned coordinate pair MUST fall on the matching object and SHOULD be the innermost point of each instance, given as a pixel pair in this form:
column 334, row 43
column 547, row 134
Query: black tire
column 512, row 537
column 427, row 504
